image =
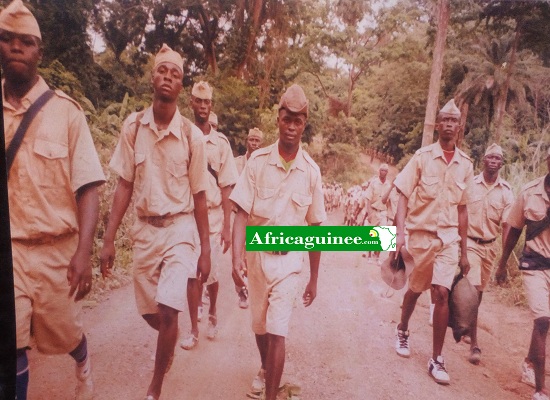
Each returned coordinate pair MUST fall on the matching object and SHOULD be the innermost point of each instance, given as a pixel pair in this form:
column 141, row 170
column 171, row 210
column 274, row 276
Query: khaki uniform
column 221, row 160
column 393, row 201
column 488, row 206
column 273, row 196
column 165, row 237
column 434, row 189
column 240, row 162
column 56, row 158
column 532, row 204
column 374, row 194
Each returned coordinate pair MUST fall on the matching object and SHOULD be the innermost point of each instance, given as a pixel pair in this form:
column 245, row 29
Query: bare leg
column 153, row 320
column 261, row 341
column 473, row 333
column 166, row 342
column 213, row 293
column 193, row 300
column 275, row 361
column 441, row 318
column 409, row 302
column 537, row 351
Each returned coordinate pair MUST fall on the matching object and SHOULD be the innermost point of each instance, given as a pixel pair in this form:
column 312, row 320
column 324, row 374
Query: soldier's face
column 291, row 126
column 201, row 108
column 447, row 126
column 382, row 173
column 492, row 162
column 167, row 81
column 253, row 143
column 19, row 56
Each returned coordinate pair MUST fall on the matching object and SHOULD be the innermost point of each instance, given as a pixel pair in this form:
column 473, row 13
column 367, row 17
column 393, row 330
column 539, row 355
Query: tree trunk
column 437, row 67
column 503, row 93
column 256, row 13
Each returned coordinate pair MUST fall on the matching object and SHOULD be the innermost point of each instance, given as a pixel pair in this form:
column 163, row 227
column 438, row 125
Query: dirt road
column 341, row 348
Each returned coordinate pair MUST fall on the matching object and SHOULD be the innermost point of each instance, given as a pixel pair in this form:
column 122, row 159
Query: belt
column 44, row 240
column 161, row 221
column 277, row 253
column 481, row 241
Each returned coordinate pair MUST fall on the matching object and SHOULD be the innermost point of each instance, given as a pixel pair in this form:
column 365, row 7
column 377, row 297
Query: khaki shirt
column 240, row 162
column 375, row 191
column 56, row 158
column 532, row 204
column 435, row 189
column 488, row 207
column 272, row 196
column 221, row 160
column 159, row 166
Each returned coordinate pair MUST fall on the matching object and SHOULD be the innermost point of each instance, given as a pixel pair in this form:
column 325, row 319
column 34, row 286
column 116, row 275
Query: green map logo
column 320, row 238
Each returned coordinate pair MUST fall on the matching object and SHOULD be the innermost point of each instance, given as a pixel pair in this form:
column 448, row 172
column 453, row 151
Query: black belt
column 278, row 253
column 481, row 241
column 161, row 221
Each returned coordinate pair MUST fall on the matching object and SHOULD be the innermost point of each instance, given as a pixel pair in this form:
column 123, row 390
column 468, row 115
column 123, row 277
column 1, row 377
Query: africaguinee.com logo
column 320, row 238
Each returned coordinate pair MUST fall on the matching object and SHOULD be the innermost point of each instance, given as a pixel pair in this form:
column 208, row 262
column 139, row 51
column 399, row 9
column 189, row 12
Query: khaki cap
column 494, row 149
column 202, row 90
column 18, row 19
column 384, row 166
column 256, row 133
column 166, row 54
column 450, row 108
column 294, row 100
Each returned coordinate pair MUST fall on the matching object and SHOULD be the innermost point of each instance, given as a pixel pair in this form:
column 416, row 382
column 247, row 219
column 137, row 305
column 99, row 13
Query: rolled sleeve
column 228, row 173
column 123, row 159
column 198, row 170
column 316, row 212
column 407, row 180
column 243, row 192
column 516, row 218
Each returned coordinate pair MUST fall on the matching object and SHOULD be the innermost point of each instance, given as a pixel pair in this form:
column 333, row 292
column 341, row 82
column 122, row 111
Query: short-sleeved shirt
column 532, row 204
column 488, row 206
column 435, row 189
column 375, row 191
column 165, row 172
column 56, row 158
column 240, row 162
column 221, row 161
column 273, row 196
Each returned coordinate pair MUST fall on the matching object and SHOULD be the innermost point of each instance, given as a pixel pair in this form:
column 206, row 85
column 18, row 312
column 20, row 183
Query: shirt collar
column 438, row 152
column 539, row 189
column 299, row 160
column 38, row 89
column 174, row 127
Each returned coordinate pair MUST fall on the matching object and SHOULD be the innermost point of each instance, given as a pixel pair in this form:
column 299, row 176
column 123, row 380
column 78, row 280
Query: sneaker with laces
column 402, row 343
column 84, row 381
column 437, row 370
column 527, row 373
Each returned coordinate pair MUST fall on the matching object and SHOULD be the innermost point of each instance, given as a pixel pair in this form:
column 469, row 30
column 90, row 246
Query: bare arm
column 511, row 239
column 311, row 289
column 239, row 239
column 201, row 218
column 227, row 207
column 400, row 215
column 463, row 233
column 79, row 274
column 122, row 197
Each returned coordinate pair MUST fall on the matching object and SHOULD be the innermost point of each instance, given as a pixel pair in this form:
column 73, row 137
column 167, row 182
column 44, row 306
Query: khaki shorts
column 273, row 284
column 434, row 262
column 164, row 259
column 481, row 258
column 377, row 218
column 536, row 285
column 42, row 305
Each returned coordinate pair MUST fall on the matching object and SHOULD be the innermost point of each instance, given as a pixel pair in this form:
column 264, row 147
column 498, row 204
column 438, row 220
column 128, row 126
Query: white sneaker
column 258, row 385
column 527, row 373
column 84, row 381
column 540, row 396
column 436, row 368
column 431, row 320
column 402, row 343
column 212, row 329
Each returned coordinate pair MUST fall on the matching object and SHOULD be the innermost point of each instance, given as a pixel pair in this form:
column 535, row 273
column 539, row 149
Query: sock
column 80, row 353
column 22, row 377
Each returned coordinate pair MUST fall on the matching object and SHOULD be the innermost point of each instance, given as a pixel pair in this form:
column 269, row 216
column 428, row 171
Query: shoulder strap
column 535, row 228
column 139, row 116
column 24, row 125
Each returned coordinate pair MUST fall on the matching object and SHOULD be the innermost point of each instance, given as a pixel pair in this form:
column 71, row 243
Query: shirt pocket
column 456, row 191
column 494, row 212
column 177, row 178
column 52, row 160
column 428, row 188
column 301, row 203
column 475, row 206
column 264, row 203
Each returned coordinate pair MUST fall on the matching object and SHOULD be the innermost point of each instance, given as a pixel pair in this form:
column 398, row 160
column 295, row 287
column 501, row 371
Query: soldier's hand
column 501, row 275
column 399, row 243
column 107, row 258
column 203, row 267
column 79, row 275
column 464, row 265
column 225, row 239
column 237, row 272
column 309, row 294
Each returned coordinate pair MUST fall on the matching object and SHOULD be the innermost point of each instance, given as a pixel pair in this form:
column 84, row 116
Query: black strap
column 24, row 125
column 535, row 228
column 213, row 173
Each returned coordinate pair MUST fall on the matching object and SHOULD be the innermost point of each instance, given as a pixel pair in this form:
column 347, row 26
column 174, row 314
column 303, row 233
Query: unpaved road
column 340, row 348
